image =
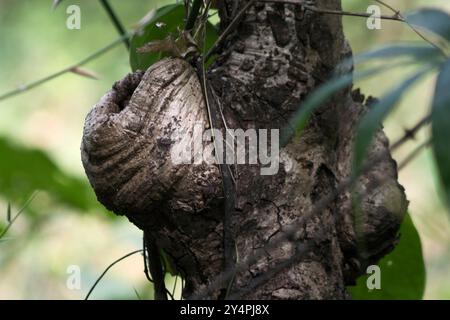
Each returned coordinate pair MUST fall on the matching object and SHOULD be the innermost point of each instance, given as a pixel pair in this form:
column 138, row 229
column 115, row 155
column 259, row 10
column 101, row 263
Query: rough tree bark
column 278, row 54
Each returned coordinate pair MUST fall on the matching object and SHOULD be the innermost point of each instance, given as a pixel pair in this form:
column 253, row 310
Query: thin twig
column 229, row 29
column 411, row 133
column 11, row 221
column 226, row 172
column 420, row 34
column 107, row 269
column 89, row 58
column 333, row 12
column 174, row 286
column 396, row 17
column 195, row 9
column 396, row 12
column 116, row 21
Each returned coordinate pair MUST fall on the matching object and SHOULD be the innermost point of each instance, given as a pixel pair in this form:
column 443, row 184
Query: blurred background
column 40, row 134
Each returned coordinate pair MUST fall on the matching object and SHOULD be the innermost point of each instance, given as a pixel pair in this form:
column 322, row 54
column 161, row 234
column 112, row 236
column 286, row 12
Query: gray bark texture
column 278, row 54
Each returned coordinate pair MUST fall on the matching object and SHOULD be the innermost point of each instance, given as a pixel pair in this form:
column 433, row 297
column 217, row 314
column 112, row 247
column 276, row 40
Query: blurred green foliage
column 24, row 171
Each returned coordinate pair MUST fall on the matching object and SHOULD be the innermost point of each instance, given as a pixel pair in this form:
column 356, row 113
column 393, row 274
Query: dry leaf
column 84, row 73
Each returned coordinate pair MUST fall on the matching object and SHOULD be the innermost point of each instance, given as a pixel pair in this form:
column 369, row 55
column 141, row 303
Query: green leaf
column 166, row 21
column 412, row 51
column 440, row 118
column 22, row 171
column 433, row 20
column 321, row 95
column 372, row 121
column 403, row 274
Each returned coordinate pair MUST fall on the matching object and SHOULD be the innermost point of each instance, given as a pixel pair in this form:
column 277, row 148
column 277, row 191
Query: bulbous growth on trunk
column 134, row 140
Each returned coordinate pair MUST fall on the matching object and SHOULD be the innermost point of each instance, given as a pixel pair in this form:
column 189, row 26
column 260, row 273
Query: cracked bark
column 277, row 55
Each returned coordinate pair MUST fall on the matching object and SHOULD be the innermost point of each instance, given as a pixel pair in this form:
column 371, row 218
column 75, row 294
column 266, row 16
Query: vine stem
column 107, row 269
column 190, row 23
column 116, row 21
column 11, row 221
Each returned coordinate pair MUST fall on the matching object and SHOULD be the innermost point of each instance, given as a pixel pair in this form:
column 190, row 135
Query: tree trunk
column 278, row 54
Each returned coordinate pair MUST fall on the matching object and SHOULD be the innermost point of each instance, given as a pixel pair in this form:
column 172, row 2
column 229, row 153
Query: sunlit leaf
column 432, row 20
column 403, row 274
column 22, row 171
column 441, row 127
column 372, row 121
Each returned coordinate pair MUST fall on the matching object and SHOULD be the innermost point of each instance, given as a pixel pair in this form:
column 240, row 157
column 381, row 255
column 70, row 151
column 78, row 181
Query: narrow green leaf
column 411, row 51
column 440, row 118
column 403, row 274
column 321, row 95
column 432, row 20
column 372, row 121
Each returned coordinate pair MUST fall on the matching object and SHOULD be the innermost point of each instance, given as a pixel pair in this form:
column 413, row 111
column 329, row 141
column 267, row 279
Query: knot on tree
column 134, row 142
